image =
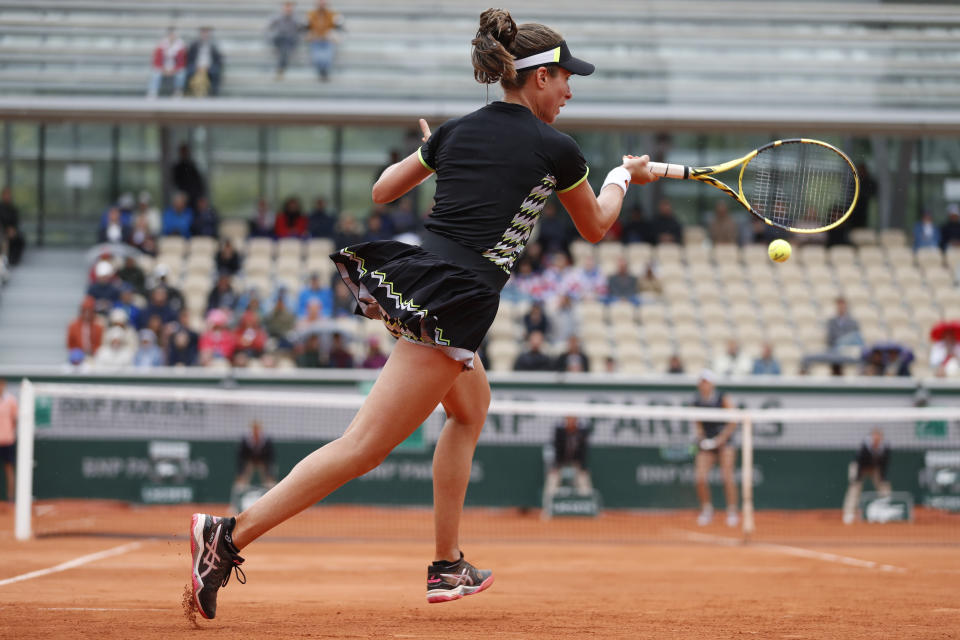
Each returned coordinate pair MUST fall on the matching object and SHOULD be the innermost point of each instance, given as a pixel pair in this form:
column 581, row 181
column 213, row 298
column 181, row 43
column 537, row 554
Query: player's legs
column 880, row 485
column 728, row 459
column 243, row 478
column 412, row 383
column 852, row 496
column 466, row 405
column 702, row 465
column 11, row 478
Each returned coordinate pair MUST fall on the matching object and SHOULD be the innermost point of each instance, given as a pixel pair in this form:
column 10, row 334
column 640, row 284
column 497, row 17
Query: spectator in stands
column 127, row 303
column 161, row 279
column 950, row 231
column 873, row 460
column 228, row 260
column 146, row 209
column 622, row 285
column 375, row 358
column 536, row 320
column 9, row 413
column 251, row 339
column 116, row 352
column 339, row 356
column 766, row 364
column 723, row 228
column 148, row 355
column 222, row 296
column 733, row 361
column 715, row 443
column 344, row 304
column 665, row 228
column 555, row 230
column 925, row 233
column 348, row 232
column 183, row 344
column 178, row 218
column 290, row 222
column 945, row 350
column 525, row 283
column 403, row 218
column 635, row 227
column 284, row 34
column 85, row 332
column 584, row 281
column 159, row 305
column 280, row 323
column 675, row 364
column 218, row 341
column 262, row 222
column 314, row 320
column 570, row 446
column 565, row 320
column 10, row 233
column 315, row 291
column 309, row 355
column 169, row 65
column 256, row 455
column 651, row 289
column 843, row 331
column 322, row 21
column 378, row 225
column 141, row 236
column 187, row 177
column 534, row 359
column 113, row 230
column 573, row 360
column 322, row 222
column 206, row 220
column 131, row 273
column 534, row 255
column 204, row 65
column 887, row 359
column 118, row 318
column 103, row 289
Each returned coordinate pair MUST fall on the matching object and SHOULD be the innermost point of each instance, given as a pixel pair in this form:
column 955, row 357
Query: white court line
column 798, row 552
column 76, row 562
column 96, row 609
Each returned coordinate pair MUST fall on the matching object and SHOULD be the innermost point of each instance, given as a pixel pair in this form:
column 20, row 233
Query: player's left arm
column 401, row 177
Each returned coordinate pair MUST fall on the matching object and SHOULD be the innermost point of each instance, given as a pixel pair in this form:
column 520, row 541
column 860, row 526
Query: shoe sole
column 448, row 595
column 196, row 544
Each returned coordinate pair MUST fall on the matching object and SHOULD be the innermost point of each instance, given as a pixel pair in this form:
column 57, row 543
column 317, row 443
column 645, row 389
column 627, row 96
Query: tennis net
column 137, row 460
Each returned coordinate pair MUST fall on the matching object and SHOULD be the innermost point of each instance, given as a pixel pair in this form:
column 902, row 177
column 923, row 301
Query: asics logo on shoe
column 211, row 557
column 456, row 579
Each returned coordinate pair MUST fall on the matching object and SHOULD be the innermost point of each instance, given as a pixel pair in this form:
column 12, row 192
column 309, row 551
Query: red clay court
column 619, row 576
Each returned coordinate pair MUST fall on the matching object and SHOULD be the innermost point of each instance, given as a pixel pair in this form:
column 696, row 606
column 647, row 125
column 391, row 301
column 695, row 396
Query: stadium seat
column 591, row 310
column 257, row 264
column 621, row 309
column 929, row 256
column 655, row 334
column 871, row 255
column 842, row 255
column 639, row 255
column 694, row 235
column 755, row 255
column 667, row 253
column 502, row 354
column 203, row 245
column 812, row 254
column 320, row 247
column 899, row 254
column 171, row 245
column 259, row 247
column 937, row 278
column 863, row 237
column 235, row 230
column 289, row 247
column 893, row 238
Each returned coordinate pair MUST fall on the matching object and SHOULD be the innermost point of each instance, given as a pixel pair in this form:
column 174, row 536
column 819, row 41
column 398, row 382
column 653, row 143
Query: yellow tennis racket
column 801, row 185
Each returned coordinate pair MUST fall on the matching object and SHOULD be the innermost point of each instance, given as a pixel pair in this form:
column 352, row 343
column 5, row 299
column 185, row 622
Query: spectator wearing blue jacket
column 178, row 218
column 315, row 291
column 925, row 233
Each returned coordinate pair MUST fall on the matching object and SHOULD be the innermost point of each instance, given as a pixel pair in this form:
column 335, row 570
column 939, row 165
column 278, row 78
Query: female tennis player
column 495, row 168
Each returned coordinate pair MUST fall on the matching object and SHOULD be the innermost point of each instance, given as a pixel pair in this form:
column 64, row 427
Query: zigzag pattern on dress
column 515, row 238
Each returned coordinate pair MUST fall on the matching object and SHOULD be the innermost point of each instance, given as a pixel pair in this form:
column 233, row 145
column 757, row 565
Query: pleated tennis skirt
column 420, row 296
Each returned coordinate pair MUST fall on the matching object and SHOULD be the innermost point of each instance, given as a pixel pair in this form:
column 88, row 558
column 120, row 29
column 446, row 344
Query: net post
column 22, row 527
column 746, row 479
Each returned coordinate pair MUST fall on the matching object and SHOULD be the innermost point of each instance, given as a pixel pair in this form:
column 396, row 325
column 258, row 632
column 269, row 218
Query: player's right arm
column 593, row 215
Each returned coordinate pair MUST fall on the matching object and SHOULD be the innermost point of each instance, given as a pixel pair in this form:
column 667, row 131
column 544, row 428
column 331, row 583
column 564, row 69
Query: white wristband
column 618, row 176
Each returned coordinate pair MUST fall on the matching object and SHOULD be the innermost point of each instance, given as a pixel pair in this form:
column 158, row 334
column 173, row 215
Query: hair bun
column 498, row 24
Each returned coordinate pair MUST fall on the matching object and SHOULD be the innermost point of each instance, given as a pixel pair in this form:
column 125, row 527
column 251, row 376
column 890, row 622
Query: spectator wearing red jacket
column 218, row 342
column 250, row 336
column 291, row 223
column 169, row 61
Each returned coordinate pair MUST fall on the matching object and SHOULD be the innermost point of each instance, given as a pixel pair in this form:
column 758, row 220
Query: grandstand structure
column 884, row 74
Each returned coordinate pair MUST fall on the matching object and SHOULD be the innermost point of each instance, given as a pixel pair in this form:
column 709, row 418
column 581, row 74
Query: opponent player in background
column 496, row 167
column 714, row 442
column 872, row 461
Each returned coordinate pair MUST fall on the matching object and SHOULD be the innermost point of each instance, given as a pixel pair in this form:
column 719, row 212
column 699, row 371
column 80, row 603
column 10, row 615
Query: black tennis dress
column 496, row 167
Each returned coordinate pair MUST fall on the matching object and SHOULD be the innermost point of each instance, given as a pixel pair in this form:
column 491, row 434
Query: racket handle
column 667, row 170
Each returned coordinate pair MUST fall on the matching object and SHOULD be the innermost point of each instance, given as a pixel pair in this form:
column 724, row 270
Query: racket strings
column 800, row 185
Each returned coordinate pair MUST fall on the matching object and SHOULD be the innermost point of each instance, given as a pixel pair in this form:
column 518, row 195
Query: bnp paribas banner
column 305, row 416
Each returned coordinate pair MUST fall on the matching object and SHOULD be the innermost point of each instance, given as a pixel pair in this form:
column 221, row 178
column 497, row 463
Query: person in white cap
column 714, row 442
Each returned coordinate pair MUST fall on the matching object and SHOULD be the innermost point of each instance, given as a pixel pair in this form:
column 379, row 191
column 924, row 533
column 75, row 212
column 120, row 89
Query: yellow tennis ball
column 779, row 250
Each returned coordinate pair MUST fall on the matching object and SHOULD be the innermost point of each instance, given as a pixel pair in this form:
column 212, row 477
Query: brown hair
column 499, row 40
